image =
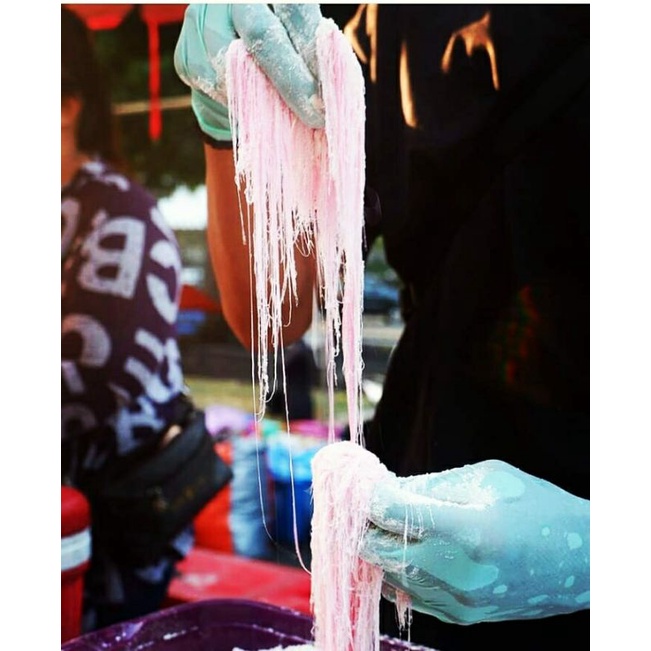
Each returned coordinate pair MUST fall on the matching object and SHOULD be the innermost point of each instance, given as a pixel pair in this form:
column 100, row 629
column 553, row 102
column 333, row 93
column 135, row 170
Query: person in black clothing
column 482, row 169
column 478, row 166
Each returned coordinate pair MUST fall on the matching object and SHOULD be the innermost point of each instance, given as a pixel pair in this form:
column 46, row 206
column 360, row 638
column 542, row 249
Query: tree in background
column 177, row 157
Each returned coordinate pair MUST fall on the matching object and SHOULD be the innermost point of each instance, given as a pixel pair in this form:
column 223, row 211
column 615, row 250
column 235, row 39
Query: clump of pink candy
column 304, row 187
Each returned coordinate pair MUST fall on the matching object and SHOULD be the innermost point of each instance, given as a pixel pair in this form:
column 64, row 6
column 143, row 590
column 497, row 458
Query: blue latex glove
column 281, row 41
column 486, row 542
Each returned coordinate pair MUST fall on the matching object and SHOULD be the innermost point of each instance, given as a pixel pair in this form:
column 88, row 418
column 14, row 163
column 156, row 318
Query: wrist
column 212, row 118
column 212, row 142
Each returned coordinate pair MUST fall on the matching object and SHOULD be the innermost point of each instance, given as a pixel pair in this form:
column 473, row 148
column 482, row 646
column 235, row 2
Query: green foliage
column 376, row 264
column 177, row 158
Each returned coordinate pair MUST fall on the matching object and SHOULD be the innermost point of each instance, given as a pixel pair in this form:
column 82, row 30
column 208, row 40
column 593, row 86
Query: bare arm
column 230, row 257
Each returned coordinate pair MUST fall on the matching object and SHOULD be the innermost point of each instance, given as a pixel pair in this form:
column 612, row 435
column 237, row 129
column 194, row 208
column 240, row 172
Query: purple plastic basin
column 211, row 625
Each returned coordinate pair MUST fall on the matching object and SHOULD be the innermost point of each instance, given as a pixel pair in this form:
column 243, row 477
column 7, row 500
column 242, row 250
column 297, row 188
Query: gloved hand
column 486, row 542
column 282, row 42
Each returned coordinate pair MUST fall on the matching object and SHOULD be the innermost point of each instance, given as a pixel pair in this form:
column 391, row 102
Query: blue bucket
column 284, row 512
column 283, row 477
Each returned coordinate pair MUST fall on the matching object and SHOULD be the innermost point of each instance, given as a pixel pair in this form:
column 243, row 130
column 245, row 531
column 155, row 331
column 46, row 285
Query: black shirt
column 481, row 166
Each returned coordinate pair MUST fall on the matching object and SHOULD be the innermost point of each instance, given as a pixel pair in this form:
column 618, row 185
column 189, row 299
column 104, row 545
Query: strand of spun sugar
column 304, row 187
column 272, row 152
column 342, row 87
column 346, row 589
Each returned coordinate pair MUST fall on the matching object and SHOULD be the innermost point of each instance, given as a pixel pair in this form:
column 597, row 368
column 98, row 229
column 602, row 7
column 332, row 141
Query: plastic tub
column 213, row 625
column 75, row 558
column 249, row 506
column 301, row 449
column 204, row 574
column 284, row 500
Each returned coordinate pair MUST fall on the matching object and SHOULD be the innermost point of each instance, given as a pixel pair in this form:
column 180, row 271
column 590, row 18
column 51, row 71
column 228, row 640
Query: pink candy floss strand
column 304, row 187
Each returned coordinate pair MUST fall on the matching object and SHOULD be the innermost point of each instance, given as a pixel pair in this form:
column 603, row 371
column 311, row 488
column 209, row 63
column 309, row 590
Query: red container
column 75, row 558
column 205, row 574
column 211, row 527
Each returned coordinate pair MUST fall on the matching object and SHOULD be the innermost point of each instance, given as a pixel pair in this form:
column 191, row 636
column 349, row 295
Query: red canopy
column 101, row 16
column 109, row 16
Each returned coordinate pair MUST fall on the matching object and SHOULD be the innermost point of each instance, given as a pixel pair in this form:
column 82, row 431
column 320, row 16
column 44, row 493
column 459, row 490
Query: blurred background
column 267, row 508
column 164, row 152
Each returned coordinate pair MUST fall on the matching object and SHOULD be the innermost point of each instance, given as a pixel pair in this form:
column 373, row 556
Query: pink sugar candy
column 304, row 187
column 345, row 589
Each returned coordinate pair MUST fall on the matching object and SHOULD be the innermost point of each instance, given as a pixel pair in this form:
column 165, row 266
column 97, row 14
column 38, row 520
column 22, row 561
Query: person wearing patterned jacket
column 120, row 365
